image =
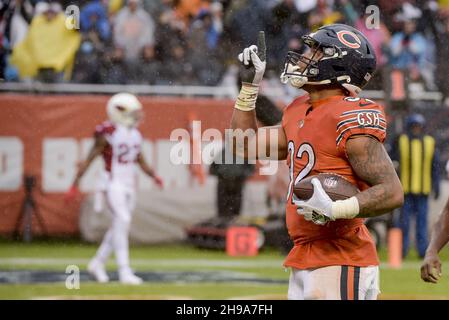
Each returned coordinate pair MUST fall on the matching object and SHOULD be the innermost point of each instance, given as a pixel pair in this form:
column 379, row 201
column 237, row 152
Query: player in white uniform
column 119, row 142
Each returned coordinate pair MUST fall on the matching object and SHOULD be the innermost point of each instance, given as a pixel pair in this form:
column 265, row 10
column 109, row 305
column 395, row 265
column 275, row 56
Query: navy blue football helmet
column 347, row 59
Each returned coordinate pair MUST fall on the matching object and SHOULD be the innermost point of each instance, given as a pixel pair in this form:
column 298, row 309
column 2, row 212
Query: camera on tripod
column 28, row 209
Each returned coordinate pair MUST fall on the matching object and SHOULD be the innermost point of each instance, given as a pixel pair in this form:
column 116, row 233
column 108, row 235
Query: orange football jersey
column 317, row 133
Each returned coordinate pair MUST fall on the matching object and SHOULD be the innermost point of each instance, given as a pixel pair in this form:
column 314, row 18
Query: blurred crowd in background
column 194, row 42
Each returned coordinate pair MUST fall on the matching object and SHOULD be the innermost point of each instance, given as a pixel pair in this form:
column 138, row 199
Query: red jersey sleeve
column 369, row 120
column 105, row 129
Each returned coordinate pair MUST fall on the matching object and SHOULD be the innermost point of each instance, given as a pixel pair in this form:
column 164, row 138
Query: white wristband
column 246, row 100
column 345, row 209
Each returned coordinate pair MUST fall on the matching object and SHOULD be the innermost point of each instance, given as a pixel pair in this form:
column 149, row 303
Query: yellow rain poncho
column 48, row 44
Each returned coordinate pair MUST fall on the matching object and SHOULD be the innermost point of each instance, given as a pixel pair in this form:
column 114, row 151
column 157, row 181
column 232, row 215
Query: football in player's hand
column 337, row 187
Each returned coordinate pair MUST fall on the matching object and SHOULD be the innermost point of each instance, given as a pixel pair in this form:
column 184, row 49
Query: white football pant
column 121, row 202
column 334, row 283
column 100, row 191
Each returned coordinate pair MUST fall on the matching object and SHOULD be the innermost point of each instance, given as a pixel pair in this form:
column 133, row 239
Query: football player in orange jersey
column 330, row 129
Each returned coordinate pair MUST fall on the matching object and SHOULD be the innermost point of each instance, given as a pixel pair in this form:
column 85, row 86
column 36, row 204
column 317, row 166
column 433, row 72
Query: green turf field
column 192, row 274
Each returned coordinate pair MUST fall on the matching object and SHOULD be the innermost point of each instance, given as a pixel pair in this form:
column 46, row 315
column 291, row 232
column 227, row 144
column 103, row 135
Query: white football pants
column 121, row 202
column 334, row 283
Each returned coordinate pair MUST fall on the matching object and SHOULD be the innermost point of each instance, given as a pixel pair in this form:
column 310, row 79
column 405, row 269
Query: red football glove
column 72, row 194
column 159, row 182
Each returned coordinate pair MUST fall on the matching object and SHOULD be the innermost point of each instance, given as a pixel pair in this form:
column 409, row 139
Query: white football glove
column 318, row 208
column 253, row 59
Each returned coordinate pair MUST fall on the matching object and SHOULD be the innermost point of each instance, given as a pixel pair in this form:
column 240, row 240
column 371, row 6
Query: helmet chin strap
column 354, row 90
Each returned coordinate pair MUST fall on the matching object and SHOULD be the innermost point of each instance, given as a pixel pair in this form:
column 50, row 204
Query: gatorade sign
column 242, row 241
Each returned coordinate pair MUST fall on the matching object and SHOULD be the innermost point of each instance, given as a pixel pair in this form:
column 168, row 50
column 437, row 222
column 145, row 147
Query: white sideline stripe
column 175, row 263
column 149, row 262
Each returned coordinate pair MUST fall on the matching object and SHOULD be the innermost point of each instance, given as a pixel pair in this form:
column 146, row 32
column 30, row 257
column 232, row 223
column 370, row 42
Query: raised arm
column 372, row 164
column 268, row 142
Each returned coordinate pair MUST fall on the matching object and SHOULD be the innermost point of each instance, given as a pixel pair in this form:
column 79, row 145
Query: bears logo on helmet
column 352, row 44
column 347, row 58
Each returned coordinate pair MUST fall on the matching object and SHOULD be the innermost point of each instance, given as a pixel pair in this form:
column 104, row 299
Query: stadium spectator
column 304, row 8
column 16, row 17
column 156, row 7
column 388, row 9
column 187, row 10
column 242, row 23
column 134, row 41
column 96, row 35
column 379, row 37
column 323, row 14
column 172, row 50
column 48, row 50
column 114, row 7
column 170, row 17
column 409, row 49
column 281, row 27
column 216, row 25
column 419, row 172
column 205, row 55
column 439, row 22
column 94, row 17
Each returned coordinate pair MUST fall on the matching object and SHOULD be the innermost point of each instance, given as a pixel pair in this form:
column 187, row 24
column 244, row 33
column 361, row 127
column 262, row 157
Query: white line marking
column 175, row 263
column 149, row 262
